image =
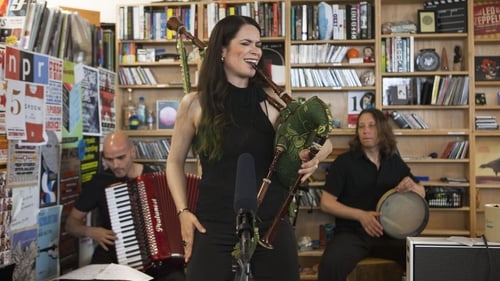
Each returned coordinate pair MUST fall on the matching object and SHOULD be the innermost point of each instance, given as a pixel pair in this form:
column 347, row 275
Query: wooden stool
column 376, row 269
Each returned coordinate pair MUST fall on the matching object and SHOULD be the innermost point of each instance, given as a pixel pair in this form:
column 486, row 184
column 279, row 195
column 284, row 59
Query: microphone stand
column 244, row 230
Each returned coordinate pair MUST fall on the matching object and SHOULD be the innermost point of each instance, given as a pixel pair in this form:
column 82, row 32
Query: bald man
column 118, row 156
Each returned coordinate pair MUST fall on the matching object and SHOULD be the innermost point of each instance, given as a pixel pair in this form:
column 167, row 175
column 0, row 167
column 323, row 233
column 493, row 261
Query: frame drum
column 402, row 214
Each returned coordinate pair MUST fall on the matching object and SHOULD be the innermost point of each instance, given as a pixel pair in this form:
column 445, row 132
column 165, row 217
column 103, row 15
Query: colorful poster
column 25, row 207
column 47, row 261
column 53, row 98
column 90, row 162
column 90, row 99
column 6, row 202
column 24, row 165
column 24, row 252
column 49, row 170
column 107, row 99
column 26, row 75
column 72, row 106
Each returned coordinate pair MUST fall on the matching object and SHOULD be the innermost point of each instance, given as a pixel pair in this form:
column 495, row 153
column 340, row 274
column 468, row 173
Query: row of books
column 317, row 53
column 450, row 90
column 136, row 76
column 398, row 54
column 456, row 150
column 269, row 15
column 148, row 22
column 408, row 120
column 324, row 77
column 486, row 122
column 310, row 197
column 436, row 90
column 152, row 149
column 66, row 35
column 326, row 21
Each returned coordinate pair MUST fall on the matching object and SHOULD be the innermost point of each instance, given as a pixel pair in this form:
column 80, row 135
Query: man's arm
column 76, row 227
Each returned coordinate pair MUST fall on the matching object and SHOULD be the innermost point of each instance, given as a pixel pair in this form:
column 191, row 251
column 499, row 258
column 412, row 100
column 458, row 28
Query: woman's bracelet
column 182, row 210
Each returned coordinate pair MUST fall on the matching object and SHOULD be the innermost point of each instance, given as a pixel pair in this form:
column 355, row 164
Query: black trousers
column 348, row 247
column 212, row 260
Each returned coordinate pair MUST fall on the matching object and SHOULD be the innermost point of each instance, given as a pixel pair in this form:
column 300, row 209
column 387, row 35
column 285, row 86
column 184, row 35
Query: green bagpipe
column 302, row 125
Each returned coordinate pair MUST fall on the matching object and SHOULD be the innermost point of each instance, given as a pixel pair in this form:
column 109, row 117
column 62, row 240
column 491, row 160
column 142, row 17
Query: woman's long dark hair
column 213, row 87
column 386, row 139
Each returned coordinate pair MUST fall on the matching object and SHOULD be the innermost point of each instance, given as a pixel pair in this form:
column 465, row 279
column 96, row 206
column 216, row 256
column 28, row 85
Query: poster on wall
column 72, row 107
column 47, row 261
column 5, row 219
column 24, row 252
column 26, row 77
column 26, row 165
column 88, row 78
column 107, row 99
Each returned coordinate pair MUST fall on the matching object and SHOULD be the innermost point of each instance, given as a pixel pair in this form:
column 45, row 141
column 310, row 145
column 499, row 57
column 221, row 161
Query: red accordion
column 144, row 217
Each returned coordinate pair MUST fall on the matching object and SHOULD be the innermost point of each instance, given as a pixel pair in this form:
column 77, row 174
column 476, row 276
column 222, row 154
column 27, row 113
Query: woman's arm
column 186, row 122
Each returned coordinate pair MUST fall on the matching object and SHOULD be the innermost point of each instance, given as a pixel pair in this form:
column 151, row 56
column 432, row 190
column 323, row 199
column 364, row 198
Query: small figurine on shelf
column 444, row 60
column 368, row 55
column 150, row 120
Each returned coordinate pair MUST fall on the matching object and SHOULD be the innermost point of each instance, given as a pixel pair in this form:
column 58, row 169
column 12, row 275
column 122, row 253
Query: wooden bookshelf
column 446, row 122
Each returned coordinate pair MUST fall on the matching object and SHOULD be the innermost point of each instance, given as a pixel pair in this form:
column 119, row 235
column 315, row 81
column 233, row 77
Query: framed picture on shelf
column 398, row 91
column 357, row 101
column 426, row 21
column 486, row 68
column 482, row 13
column 487, row 161
column 166, row 111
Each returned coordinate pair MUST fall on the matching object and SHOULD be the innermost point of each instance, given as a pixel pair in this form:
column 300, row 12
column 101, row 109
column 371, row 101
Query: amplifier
column 443, row 259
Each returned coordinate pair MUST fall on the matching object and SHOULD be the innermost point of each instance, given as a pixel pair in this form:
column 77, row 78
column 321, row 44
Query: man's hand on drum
column 407, row 184
column 370, row 223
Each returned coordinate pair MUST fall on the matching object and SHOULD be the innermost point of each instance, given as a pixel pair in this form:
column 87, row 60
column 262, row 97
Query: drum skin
column 402, row 214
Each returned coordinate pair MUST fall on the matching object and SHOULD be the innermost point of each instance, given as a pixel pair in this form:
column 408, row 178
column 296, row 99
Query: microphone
column 245, row 203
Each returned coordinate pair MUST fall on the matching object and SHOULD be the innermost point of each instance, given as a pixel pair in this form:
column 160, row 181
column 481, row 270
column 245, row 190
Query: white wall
column 107, row 8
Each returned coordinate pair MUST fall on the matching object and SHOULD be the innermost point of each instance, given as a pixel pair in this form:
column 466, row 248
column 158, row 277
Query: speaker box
column 442, row 259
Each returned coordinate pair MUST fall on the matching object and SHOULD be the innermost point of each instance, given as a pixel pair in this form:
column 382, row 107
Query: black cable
column 489, row 257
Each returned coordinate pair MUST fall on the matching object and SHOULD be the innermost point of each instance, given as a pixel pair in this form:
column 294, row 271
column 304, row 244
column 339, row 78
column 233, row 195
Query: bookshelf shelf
column 156, row 64
column 332, row 65
column 152, row 86
column 433, row 132
column 424, row 73
column 330, row 89
column 429, row 36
